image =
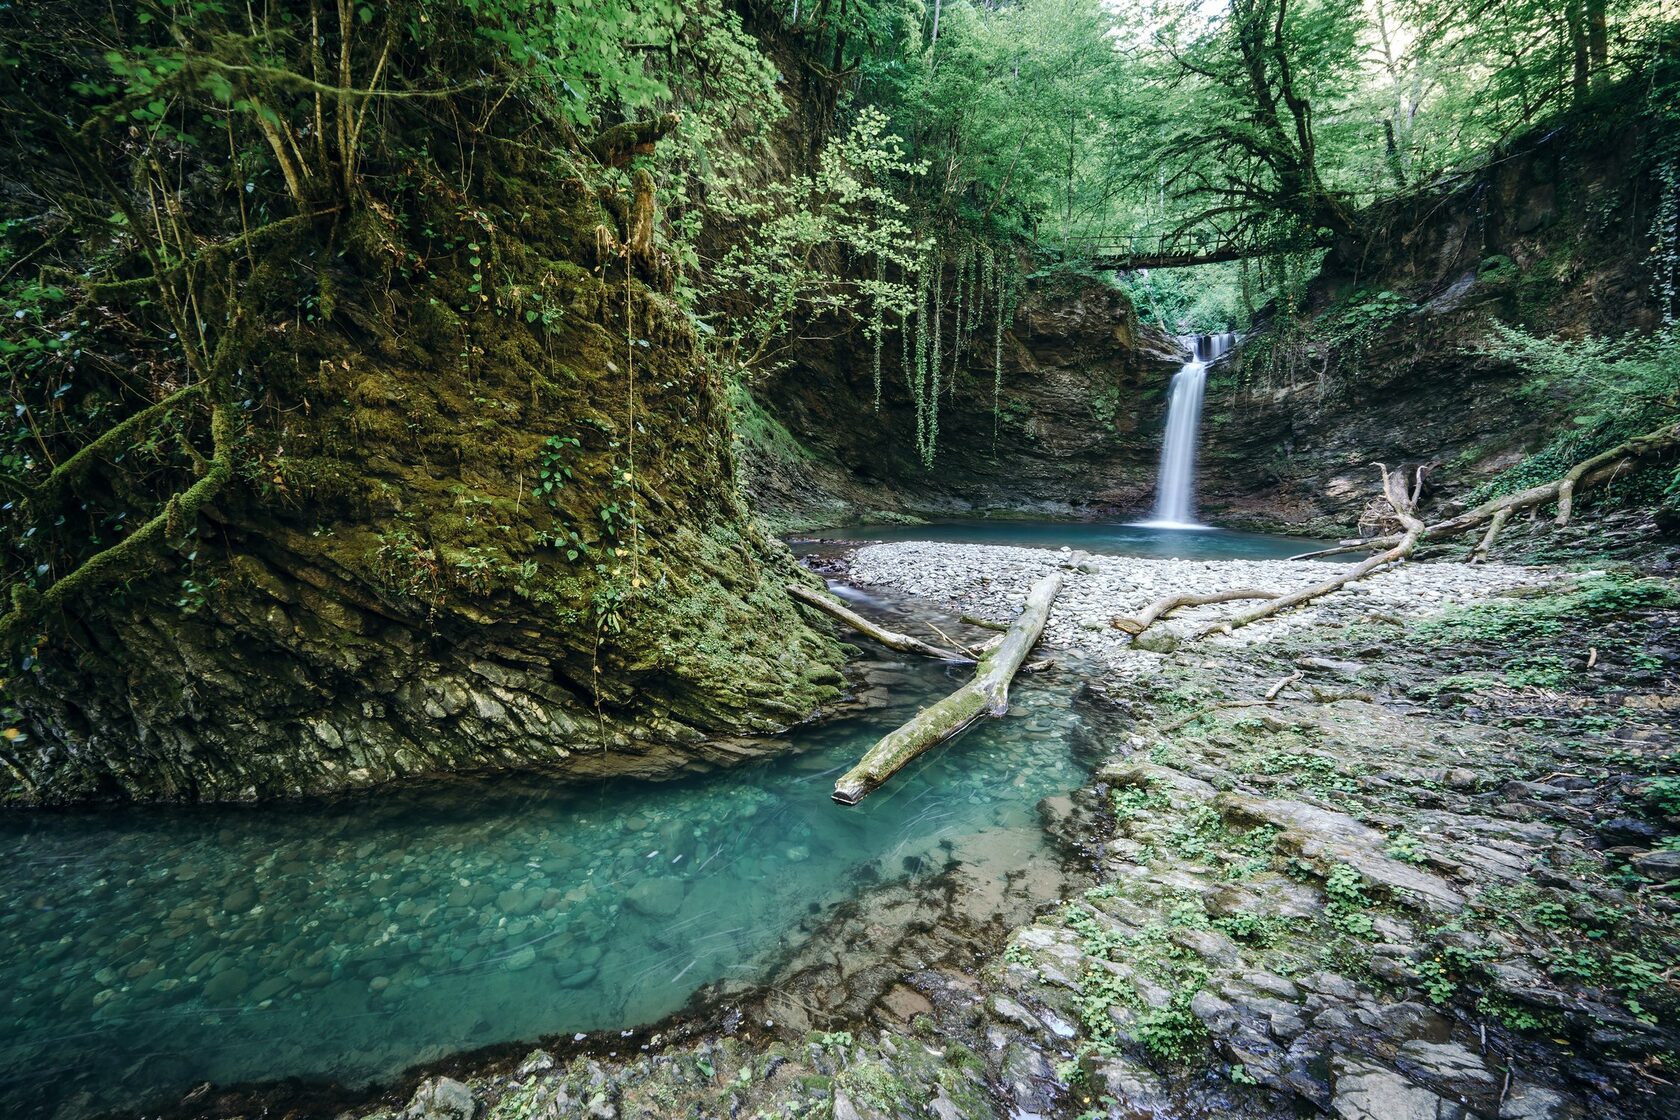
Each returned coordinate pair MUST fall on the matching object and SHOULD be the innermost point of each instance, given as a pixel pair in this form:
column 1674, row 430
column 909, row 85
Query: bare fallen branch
column 954, row 644
column 1272, row 693
column 1160, row 608
column 1596, row 471
column 892, row 639
column 1403, row 501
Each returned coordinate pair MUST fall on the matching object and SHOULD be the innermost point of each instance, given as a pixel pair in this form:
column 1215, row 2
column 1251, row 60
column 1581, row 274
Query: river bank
column 1435, row 890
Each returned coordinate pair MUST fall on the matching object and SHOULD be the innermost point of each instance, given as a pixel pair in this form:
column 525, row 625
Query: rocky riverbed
column 1434, row 875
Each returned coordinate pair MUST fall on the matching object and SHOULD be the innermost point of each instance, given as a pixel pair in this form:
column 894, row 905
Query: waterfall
column 1175, row 487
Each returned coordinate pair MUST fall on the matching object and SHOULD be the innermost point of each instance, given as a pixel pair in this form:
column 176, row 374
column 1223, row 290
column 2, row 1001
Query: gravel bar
column 991, row 581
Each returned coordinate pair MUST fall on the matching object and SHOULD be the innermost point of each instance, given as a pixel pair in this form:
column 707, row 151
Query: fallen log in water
column 903, row 643
column 987, row 694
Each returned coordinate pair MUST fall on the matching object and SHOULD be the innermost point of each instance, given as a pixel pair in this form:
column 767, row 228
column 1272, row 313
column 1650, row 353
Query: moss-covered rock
column 485, row 516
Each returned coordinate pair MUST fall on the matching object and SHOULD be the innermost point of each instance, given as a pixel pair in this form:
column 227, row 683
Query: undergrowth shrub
column 1617, row 388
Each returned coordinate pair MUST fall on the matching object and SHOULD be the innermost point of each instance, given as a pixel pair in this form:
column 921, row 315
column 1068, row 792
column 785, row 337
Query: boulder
column 227, row 985
column 656, row 898
column 1662, row 865
column 440, row 1098
column 1367, row 1091
column 1454, row 1069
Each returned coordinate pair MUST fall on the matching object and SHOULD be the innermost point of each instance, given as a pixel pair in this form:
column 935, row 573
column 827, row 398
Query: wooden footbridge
column 1147, row 250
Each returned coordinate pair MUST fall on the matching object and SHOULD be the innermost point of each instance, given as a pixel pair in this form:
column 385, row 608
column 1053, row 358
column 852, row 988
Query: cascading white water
column 1175, row 488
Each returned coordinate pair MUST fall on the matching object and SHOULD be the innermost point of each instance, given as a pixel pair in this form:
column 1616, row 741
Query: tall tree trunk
column 1263, row 43
column 1598, row 39
column 1393, row 152
column 1576, row 21
column 840, row 45
column 1067, row 218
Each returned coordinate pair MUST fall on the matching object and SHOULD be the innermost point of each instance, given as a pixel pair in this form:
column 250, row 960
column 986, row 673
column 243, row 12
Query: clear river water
column 146, row 950
column 1105, row 537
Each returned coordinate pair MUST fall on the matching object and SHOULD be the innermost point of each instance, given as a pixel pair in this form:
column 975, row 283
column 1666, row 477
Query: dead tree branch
column 1160, row 608
column 903, row 643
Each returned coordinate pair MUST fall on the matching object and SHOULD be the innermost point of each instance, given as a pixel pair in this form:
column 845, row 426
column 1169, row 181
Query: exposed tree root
column 987, row 694
column 1480, row 552
column 892, row 639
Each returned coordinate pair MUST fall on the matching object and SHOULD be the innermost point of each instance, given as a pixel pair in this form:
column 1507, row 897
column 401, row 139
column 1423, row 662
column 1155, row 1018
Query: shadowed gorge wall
column 1074, row 430
column 1395, row 360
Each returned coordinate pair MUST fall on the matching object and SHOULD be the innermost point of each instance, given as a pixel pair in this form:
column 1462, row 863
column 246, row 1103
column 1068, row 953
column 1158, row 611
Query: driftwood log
column 1160, row 608
column 903, row 643
column 1595, row 471
column 987, row 694
column 1395, row 547
column 1412, row 527
column 1400, row 499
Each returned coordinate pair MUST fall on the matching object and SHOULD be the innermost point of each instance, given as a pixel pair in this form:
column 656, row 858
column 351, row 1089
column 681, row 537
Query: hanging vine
column 961, row 278
column 1665, row 238
column 916, row 373
column 1005, row 308
column 978, row 284
column 932, row 389
column 878, row 323
column 937, row 320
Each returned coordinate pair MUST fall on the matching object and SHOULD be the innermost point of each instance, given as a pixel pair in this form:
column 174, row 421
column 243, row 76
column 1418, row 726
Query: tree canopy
column 1067, row 119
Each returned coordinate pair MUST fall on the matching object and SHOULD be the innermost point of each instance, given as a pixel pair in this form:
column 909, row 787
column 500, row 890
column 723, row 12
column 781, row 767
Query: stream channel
column 147, row 950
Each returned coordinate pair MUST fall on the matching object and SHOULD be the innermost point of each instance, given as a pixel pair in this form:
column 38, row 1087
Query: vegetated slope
column 1395, row 357
column 1053, row 407
column 481, row 508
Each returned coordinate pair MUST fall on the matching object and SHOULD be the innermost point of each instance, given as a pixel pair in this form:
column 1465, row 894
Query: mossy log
column 987, row 694
column 892, row 639
column 618, row 145
column 126, row 557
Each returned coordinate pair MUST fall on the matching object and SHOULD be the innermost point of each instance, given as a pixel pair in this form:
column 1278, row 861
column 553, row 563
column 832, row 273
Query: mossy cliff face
column 1073, row 429
column 486, row 518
